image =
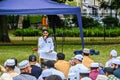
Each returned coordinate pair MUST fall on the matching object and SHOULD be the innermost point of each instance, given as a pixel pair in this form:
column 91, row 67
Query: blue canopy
column 48, row 7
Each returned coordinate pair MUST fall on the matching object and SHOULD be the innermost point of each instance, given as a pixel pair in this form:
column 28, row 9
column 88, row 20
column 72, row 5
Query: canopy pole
column 54, row 33
column 80, row 27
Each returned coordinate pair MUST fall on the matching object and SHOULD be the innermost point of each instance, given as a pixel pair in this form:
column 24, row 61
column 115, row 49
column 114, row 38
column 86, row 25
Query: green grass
column 23, row 52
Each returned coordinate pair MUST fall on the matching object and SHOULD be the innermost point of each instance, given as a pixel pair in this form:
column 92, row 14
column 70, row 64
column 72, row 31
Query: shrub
column 71, row 32
column 110, row 21
column 89, row 22
column 26, row 32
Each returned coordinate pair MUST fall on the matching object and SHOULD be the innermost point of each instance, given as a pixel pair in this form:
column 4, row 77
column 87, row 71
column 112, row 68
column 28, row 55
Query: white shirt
column 44, row 46
column 76, row 69
column 109, row 62
column 6, row 76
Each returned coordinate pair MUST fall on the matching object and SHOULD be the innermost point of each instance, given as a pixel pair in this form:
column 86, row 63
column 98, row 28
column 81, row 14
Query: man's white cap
column 94, row 65
column 23, row 64
column 79, row 57
column 116, row 61
column 84, row 71
column 86, row 50
column 9, row 62
column 113, row 53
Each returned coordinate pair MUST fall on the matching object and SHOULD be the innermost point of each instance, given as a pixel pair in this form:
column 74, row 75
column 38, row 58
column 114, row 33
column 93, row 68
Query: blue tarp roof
column 19, row 7
column 35, row 7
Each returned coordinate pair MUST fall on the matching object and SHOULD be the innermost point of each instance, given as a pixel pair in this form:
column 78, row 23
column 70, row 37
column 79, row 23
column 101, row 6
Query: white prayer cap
column 84, row 71
column 79, row 57
column 86, row 50
column 23, row 64
column 9, row 62
column 116, row 61
column 94, row 65
column 113, row 53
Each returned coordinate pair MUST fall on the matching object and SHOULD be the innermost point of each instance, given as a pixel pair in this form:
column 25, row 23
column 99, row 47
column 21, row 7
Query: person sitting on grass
column 50, row 70
column 86, row 60
column 94, row 70
column 113, row 55
column 35, row 71
column 116, row 66
column 75, row 70
column 109, row 73
column 84, row 75
column 25, row 69
column 10, row 73
column 17, row 69
column 62, row 65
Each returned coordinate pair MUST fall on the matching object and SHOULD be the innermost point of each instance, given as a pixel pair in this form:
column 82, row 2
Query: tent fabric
column 35, row 7
column 48, row 7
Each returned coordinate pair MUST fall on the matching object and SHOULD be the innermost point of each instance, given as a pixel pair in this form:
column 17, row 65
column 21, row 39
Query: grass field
column 22, row 52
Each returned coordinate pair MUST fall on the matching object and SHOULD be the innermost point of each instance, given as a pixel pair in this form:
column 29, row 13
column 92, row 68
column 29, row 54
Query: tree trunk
column 4, row 37
column 116, row 13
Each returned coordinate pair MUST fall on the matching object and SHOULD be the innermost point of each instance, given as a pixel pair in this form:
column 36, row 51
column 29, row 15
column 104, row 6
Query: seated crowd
column 81, row 67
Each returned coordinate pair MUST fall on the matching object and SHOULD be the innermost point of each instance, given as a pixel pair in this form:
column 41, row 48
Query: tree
column 116, row 5
column 54, row 20
column 4, row 29
column 4, row 37
column 106, row 5
column 111, row 4
column 60, row 1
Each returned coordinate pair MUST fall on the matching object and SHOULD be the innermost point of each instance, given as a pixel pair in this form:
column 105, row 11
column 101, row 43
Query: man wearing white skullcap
column 25, row 71
column 10, row 73
column 77, row 67
column 84, row 75
column 86, row 60
column 116, row 66
column 94, row 70
column 113, row 55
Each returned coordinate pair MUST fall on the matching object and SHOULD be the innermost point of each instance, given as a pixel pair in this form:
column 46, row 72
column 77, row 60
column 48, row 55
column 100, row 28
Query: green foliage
column 26, row 32
column 34, row 18
column 110, row 21
column 72, row 32
column 89, row 22
column 72, row 3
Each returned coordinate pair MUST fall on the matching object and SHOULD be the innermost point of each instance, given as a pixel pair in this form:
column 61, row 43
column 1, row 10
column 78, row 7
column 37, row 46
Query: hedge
column 26, row 32
column 71, row 32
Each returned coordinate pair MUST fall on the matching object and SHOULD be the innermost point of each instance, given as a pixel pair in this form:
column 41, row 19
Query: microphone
column 45, row 37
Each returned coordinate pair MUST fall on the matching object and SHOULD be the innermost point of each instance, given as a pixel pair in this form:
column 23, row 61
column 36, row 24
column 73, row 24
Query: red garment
column 93, row 74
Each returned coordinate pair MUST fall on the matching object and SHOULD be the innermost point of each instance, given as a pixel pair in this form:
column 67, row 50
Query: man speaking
column 46, row 46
